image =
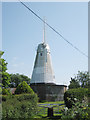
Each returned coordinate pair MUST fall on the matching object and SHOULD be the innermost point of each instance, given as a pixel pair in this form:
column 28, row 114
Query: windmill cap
column 42, row 47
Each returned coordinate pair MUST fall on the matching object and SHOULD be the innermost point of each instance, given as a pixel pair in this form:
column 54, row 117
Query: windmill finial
column 44, row 32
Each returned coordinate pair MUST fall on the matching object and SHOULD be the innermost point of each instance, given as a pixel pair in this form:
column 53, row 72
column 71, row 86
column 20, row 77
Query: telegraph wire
column 54, row 29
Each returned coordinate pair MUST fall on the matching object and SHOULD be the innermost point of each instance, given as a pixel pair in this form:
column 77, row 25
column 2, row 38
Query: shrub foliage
column 71, row 95
column 19, row 106
column 76, row 101
column 79, row 111
column 23, row 88
column 5, row 91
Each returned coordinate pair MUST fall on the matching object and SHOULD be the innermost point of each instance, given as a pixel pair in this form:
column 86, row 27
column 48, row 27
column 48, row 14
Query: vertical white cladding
column 42, row 71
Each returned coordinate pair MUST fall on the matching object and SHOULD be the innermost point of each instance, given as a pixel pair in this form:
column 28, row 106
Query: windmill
column 43, row 71
column 43, row 78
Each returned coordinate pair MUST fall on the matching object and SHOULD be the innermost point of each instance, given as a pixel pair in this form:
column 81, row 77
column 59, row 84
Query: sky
column 22, row 32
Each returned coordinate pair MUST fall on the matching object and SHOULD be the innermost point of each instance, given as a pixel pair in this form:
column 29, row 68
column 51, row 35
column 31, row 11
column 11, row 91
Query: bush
column 71, row 95
column 23, row 88
column 5, row 91
column 21, row 106
column 6, row 97
column 79, row 111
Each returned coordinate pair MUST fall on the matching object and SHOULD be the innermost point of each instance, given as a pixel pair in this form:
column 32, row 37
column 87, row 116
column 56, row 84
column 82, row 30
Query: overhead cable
column 54, row 30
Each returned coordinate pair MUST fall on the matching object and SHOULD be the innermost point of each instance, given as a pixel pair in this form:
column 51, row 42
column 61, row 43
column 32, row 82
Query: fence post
column 50, row 112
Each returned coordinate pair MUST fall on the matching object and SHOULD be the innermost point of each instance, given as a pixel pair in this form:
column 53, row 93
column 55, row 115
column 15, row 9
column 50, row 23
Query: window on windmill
column 53, row 76
column 41, row 54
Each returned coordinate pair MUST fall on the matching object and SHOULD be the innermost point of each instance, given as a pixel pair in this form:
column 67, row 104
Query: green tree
column 6, row 91
column 16, row 79
column 73, row 84
column 80, row 80
column 4, row 76
column 26, row 79
column 83, row 78
column 23, row 88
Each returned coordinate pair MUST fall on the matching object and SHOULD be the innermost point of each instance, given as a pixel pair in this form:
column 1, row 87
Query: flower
column 75, row 99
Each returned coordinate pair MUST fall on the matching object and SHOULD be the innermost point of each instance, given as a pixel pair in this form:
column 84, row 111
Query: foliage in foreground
column 76, row 101
column 5, row 91
column 19, row 106
column 79, row 111
column 5, row 77
column 72, row 94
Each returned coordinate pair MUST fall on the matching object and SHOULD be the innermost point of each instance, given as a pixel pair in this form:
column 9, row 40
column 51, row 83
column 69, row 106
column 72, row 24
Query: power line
column 54, row 30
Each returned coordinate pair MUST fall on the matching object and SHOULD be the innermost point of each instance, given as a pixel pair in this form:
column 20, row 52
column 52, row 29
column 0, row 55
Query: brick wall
column 49, row 92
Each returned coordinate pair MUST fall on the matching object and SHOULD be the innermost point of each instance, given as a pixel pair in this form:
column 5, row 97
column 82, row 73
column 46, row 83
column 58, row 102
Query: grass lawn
column 43, row 110
column 57, row 102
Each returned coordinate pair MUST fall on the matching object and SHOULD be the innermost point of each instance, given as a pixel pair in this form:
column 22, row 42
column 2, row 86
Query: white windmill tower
column 42, row 71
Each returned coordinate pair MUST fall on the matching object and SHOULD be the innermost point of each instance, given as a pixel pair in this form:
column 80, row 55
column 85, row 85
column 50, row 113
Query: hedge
column 71, row 95
column 23, row 88
column 21, row 106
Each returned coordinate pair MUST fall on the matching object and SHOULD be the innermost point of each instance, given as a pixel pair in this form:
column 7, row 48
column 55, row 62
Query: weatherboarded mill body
column 43, row 78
